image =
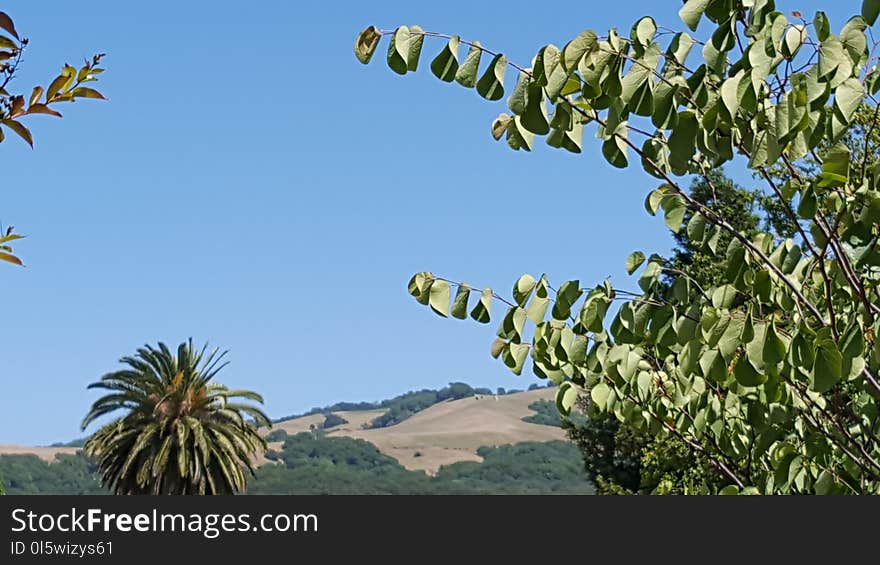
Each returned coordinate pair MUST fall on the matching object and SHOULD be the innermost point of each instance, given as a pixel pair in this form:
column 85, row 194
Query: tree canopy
column 770, row 370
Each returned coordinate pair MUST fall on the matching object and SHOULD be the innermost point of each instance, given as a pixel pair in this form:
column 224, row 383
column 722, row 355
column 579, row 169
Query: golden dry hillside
column 444, row 433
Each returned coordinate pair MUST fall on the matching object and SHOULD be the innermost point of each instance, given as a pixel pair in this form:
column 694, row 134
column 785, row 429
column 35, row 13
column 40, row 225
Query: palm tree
column 182, row 433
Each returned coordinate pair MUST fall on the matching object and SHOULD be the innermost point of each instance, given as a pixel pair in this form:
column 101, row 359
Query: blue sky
column 250, row 184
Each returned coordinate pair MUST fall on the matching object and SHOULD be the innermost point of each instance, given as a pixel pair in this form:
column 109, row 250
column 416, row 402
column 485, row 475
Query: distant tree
column 332, row 420
column 455, row 391
column 276, row 435
column 181, row 433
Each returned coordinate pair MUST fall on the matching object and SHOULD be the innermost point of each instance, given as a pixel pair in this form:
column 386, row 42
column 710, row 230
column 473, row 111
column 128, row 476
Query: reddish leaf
column 11, row 259
column 17, row 106
column 42, row 109
column 6, row 23
column 22, row 131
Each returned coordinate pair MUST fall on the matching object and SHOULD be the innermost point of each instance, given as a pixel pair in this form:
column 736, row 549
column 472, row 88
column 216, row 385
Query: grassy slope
column 445, row 433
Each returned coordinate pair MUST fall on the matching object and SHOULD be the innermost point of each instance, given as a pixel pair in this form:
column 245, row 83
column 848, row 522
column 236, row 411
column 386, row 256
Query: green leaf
column 713, row 366
column 482, row 308
column 746, row 375
column 445, row 64
column 831, row 56
column 491, row 84
column 696, row 228
column 644, row 30
column 467, row 72
column 682, row 142
column 523, row 289
column 566, row 396
column 545, row 62
column 514, row 356
column 847, row 98
column 398, row 50
column 674, row 210
column 773, row 350
column 634, row 261
column 870, row 11
column 835, row 166
column 497, row 347
column 366, row 43
column 724, row 296
column 439, row 299
column 599, row 395
column 460, row 304
column 654, row 199
column 692, row 11
column 518, row 99
column 534, row 116
column 730, row 94
column 794, row 38
column 827, row 368
column 419, row 287
column 416, row 39
column 518, row 137
column 823, row 28
column 537, row 307
column 665, row 106
column 500, row 125
column 614, row 149
column 83, row 92
column 655, row 156
column 575, row 49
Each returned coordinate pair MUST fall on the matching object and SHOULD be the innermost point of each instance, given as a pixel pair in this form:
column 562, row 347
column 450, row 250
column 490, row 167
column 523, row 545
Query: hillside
column 480, row 444
column 445, row 433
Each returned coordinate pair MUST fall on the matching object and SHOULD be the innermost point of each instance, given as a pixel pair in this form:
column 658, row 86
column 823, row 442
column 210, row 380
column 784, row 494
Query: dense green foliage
column 68, row 474
column 318, row 464
column 770, row 372
column 331, row 420
column 405, row 405
column 79, row 442
column 321, row 464
column 402, row 406
column 620, row 460
column 546, row 414
column 181, row 432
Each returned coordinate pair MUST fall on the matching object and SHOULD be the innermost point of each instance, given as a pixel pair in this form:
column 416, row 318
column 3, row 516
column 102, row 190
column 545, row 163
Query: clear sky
column 251, row 184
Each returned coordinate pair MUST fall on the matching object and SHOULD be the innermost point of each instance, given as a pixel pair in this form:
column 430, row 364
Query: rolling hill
column 478, row 444
column 444, row 433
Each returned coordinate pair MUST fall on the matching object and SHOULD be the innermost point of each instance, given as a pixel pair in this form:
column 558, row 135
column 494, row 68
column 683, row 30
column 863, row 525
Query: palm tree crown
column 182, row 433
